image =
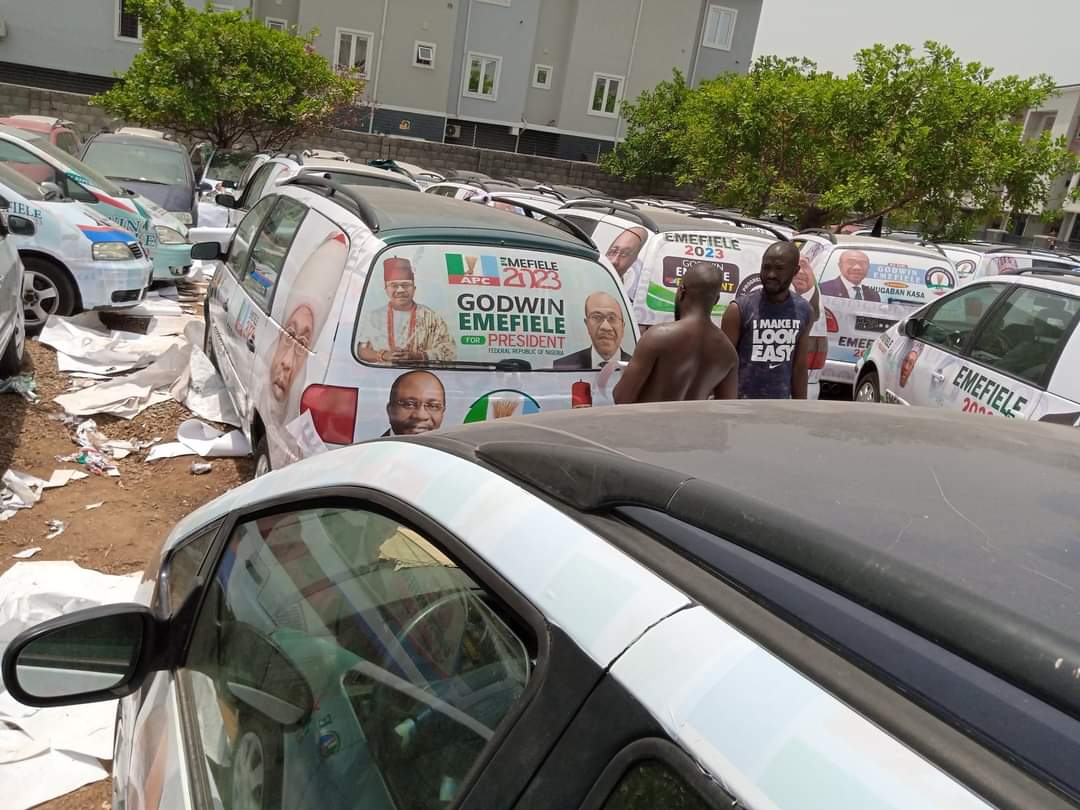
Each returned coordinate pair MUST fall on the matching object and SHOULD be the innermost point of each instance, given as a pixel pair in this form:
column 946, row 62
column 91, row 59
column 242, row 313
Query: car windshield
column 20, row 184
column 143, row 164
column 354, row 179
column 73, row 164
column 464, row 306
column 228, row 166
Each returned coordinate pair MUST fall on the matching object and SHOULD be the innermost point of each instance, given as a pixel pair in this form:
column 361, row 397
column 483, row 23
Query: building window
column 482, row 78
column 606, row 94
column 424, row 55
column 719, row 28
column 221, row 8
column 352, row 50
column 542, row 76
column 277, row 23
column 127, row 24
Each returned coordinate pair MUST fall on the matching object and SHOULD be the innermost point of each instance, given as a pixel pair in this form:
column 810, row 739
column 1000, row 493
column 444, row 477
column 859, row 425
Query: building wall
column 712, row 62
column 554, row 34
column 401, row 83
column 329, row 15
column 279, row 9
column 507, row 32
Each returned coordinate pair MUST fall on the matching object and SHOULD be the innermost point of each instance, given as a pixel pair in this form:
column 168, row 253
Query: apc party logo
column 938, row 279
column 475, row 271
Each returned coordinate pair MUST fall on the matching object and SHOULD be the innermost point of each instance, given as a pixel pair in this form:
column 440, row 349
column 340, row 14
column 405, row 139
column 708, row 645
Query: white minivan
column 335, row 317
column 12, row 332
column 867, row 284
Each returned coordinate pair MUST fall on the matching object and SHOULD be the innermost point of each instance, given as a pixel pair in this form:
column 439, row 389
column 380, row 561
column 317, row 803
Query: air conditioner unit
column 453, row 131
column 515, row 130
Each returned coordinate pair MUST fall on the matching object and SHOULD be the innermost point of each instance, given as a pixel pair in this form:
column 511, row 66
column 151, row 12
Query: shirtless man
column 689, row 359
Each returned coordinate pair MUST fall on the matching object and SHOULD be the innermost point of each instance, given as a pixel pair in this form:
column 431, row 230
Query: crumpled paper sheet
column 130, row 395
column 84, row 344
column 195, row 438
column 200, row 388
column 45, row 753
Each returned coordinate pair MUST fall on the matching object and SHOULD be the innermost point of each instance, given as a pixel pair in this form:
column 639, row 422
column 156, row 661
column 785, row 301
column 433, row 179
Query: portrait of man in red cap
column 403, row 331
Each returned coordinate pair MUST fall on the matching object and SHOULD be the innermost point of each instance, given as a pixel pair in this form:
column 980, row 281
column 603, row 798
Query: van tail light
column 333, row 411
column 830, row 321
column 818, row 354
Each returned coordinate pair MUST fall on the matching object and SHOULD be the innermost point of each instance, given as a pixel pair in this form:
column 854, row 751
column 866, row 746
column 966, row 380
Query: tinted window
column 652, row 785
column 1025, row 336
column 271, row 246
column 228, row 166
column 587, row 225
column 254, row 188
column 68, row 142
column 951, row 322
column 240, row 248
column 441, row 305
column 148, row 164
column 183, row 566
column 19, row 183
column 341, row 659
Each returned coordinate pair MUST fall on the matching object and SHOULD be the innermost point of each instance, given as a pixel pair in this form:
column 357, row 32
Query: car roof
column 143, row 141
column 343, row 167
column 405, row 216
column 19, row 133
column 1043, row 278
column 667, row 219
column 910, row 512
column 38, row 123
column 879, row 243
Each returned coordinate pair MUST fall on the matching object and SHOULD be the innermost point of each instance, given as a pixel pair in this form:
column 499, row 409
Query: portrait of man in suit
column 854, row 267
column 604, row 320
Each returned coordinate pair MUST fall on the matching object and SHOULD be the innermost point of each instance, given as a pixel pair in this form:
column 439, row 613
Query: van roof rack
column 337, row 192
column 1029, row 252
column 740, row 222
column 540, row 215
column 628, row 210
column 820, row 232
column 926, row 243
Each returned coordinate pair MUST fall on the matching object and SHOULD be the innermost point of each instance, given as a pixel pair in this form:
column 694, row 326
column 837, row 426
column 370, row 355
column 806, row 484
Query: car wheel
column 262, row 457
column 868, row 388
column 256, row 766
column 46, row 291
column 11, row 359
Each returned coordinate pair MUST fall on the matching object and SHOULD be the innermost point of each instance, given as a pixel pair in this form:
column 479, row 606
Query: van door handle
column 225, row 304
column 938, row 376
column 251, row 345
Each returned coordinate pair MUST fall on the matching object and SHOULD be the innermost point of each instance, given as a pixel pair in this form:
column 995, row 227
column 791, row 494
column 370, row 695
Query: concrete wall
column 712, row 62
column 361, row 146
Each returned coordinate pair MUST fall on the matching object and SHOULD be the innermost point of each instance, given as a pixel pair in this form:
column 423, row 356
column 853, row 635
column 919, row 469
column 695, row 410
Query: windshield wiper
column 508, row 364
column 139, row 180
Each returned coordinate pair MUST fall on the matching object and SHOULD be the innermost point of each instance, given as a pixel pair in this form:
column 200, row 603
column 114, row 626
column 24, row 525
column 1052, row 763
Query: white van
column 867, row 284
column 335, row 317
column 1007, row 260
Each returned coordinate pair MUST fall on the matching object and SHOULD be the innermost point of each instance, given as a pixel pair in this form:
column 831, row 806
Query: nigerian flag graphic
column 500, row 404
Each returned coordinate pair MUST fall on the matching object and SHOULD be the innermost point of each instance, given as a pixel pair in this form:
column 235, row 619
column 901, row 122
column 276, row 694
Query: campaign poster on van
column 671, row 254
column 623, row 248
column 867, row 291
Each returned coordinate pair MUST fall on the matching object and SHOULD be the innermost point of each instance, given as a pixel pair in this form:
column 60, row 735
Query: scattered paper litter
column 200, row 388
column 202, row 468
column 97, row 505
column 209, row 442
column 61, row 478
column 168, row 450
column 307, row 437
column 154, row 306
column 36, row 780
column 21, row 384
column 130, row 395
column 26, row 554
column 56, row 528
column 84, row 344
column 18, row 491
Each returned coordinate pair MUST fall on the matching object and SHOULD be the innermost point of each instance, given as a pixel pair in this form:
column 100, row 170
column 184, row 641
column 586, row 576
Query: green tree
column 224, row 78
column 922, row 138
column 649, row 152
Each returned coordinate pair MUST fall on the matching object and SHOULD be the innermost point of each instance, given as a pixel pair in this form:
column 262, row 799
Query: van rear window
column 886, row 277
column 465, row 306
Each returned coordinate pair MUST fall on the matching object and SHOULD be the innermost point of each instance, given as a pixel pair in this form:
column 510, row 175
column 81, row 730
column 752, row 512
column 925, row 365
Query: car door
column 1014, row 353
column 921, row 370
column 349, row 653
column 250, row 303
column 254, row 190
column 228, row 309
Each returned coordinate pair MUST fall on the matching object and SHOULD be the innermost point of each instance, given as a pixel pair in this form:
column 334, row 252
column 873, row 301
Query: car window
column 21, row 160
column 183, row 566
column 952, row 320
column 468, row 306
column 240, row 248
column 269, row 250
column 886, row 277
column 340, row 658
column 68, row 142
column 651, row 784
column 253, row 190
column 586, row 224
column 1025, row 335
column 125, row 162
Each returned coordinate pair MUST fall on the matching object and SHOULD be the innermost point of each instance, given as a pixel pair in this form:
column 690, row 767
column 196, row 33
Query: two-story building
column 541, row 77
column 1060, row 116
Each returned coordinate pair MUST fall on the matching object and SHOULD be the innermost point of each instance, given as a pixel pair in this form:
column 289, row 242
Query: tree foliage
column 924, row 138
column 223, row 78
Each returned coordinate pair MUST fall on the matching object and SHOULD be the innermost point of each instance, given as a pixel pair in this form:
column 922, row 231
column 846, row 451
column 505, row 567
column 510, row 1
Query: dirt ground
column 140, row 507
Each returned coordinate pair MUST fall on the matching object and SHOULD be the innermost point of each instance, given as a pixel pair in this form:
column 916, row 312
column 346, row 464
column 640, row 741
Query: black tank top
column 768, row 336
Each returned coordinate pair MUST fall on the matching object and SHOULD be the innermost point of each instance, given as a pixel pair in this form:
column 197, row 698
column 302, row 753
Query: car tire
column 262, row 457
column 868, row 388
column 47, row 290
column 256, row 765
column 11, row 359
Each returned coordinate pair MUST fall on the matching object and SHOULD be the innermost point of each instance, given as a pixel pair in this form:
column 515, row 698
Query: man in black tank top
column 769, row 328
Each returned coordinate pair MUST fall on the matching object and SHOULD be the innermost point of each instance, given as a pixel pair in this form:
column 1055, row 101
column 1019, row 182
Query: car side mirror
column 260, row 674
column 225, row 200
column 206, row 251
column 52, row 190
column 914, row 327
column 101, row 653
column 21, row 226
column 205, row 187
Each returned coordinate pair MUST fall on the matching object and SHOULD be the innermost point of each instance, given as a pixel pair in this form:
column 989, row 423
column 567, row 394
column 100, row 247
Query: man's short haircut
column 397, row 383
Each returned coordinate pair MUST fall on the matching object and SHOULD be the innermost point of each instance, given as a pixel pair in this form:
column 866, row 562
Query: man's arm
column 732, row 324
column 729, row 386
column 633, row 378
column 799, row 374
